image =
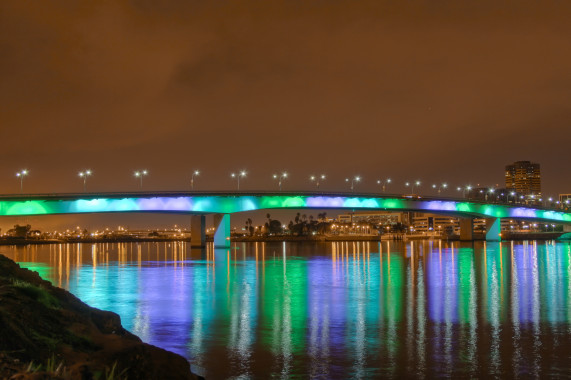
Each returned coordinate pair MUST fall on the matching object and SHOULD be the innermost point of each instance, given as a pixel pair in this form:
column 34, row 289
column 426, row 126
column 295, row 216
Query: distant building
column 373, row 217
column 564, row 197
column 433, row 223
column 524, row 177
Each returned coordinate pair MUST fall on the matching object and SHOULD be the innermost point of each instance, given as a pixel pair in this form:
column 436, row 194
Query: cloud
column 386, row 85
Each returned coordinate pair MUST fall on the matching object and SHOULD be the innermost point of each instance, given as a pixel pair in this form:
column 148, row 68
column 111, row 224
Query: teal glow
column 239, row 203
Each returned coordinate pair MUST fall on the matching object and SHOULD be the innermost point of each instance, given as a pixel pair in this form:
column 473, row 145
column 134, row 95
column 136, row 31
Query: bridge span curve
column 234, row 202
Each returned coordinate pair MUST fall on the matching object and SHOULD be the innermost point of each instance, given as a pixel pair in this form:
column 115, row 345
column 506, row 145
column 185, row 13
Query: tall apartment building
column 524, row 177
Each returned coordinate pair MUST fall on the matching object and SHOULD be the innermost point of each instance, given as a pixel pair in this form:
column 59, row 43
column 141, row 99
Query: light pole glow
column 140, row 174
column 353, row 181
column 84, row 174
column 317, row 179
column 412, row 185
column 383, row 183
column 237, row 176
column 194, row 174
column 280, row 178
column 21, row 174
column 440, row 187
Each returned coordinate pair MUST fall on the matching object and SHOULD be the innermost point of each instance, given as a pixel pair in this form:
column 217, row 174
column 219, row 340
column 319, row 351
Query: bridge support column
column 493, row 229
column 222, row 234
column 466, row 229
column 197, row 231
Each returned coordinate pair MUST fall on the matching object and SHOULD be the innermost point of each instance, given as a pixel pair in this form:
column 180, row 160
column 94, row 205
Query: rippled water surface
column 333, row 310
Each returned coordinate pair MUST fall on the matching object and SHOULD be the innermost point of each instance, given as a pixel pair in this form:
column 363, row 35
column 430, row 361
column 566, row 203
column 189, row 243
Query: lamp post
column 412, row 185
column 440, row 187
column 384, row 183
column 463, row 190
column 21, row 174
column 140, row 174
column 194, row 174
column 490, row 191
column 237, row 176
column 280, row 178
column 317, row 179
column 353, row 181
column 84, row 174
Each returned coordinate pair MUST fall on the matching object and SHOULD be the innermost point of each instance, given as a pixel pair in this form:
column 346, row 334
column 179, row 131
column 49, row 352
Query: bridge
column 223, row 204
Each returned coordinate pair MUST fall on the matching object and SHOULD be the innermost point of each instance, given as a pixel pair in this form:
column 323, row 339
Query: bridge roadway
column 222, row 204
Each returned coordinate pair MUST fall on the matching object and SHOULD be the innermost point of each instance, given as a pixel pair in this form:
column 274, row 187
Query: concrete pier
column 198, row 231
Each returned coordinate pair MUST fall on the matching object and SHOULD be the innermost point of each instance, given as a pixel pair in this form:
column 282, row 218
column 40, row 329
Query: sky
column 437, row 91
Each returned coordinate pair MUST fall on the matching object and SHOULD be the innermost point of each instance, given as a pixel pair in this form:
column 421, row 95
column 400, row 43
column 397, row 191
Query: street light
column 353, row 182
column 412, row 185
column 21, row 174
column 317, row 179
column 463, row 190
column 443, row 186
column 490, row 191
column 140, row 174
column 194, row 174
column 237, row 176
column 384, row 183
column 280, row 178
column 84, row 174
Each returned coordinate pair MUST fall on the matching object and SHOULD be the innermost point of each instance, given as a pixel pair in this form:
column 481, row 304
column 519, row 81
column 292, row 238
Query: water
column 333, row 310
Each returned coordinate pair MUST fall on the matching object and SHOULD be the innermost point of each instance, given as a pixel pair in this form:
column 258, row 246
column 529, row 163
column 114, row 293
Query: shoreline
column 259, row 239
column 48, row 333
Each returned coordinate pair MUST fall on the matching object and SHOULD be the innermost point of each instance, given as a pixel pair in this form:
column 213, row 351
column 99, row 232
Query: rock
column 43, row 327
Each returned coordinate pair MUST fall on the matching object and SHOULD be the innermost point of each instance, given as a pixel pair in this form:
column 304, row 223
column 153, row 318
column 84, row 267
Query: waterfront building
column 378, row 218
column 434, row 223
column 524, row 177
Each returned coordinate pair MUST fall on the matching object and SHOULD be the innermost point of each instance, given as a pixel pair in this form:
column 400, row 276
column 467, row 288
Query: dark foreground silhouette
column 46, row 332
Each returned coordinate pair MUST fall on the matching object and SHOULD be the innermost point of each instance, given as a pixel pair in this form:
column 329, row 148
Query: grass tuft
column 37, row 293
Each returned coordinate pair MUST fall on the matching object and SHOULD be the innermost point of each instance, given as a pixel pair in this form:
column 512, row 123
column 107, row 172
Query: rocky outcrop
column 44, row 328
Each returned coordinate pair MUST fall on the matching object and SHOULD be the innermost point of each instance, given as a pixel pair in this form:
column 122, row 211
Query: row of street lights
column 280, row 178
column 140, row 174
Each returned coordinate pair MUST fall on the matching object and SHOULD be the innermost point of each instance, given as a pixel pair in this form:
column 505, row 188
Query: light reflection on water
column 330, row 310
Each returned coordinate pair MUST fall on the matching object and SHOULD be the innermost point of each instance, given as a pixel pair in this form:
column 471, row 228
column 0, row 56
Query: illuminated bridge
column 223, row 204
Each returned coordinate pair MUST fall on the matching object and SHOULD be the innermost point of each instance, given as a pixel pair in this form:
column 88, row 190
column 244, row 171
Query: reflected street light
column 237, row 176
column 280, row 178
column 194, row 174
column 384, row 183
column 21, row 174
column 140, row 174
column 84, row 174
column 317, row 179
column 353, row 181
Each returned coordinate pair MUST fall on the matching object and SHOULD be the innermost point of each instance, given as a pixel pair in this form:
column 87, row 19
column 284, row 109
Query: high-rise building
column 524, row 178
